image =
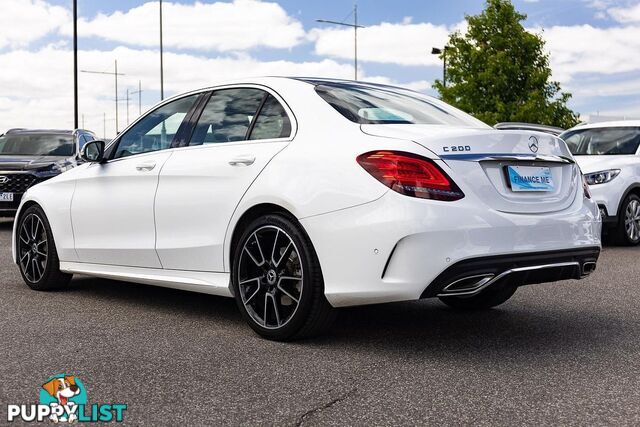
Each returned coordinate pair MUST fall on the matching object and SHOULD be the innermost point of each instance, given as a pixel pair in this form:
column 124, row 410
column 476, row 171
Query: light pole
column 161, row 58
column 75, row 64
column 355, row 27
column 139, row 92
column 128, row 106
column 115, row 74
column 443, row 52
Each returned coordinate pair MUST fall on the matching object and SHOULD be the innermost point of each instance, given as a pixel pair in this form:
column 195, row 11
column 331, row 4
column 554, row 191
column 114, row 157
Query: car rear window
column 384, row 105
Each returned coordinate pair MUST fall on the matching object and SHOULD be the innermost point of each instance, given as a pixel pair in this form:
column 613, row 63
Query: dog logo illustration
column 62, row 388
column 63, row 393
column 63, row 399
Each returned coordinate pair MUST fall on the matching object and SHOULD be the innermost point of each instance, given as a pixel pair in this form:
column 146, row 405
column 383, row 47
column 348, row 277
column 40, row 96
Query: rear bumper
column 394, row 248
column 471, row 276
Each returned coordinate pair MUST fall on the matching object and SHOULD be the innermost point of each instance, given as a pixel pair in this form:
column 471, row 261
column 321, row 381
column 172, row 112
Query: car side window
column 272, row 121
column 227, row 116
column 156, row 130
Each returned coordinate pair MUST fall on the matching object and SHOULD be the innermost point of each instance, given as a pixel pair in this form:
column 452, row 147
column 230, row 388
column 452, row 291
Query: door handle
column 145, row 167
column 245, row 160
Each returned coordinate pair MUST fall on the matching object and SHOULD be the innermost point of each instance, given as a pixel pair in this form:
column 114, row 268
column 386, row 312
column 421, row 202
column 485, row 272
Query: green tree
column 499, row 72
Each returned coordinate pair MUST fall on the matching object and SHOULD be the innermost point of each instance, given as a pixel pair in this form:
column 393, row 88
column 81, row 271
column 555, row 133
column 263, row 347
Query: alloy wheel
column 33, row 248
column 270, row 277
column 632, row 220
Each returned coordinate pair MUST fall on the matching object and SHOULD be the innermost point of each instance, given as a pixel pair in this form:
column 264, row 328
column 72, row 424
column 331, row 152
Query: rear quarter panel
column 317, row 172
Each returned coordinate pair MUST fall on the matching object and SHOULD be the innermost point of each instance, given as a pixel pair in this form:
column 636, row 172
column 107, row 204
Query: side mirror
column 93, row 152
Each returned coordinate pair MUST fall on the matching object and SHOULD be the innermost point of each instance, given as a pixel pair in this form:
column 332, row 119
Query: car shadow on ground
column 415, row 329
column 6, row 224
column 156, row 298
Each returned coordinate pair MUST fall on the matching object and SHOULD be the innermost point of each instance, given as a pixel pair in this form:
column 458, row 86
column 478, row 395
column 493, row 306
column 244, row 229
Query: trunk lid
column 483, row 159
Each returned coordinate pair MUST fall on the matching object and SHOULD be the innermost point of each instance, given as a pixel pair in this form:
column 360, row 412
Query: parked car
column 298, row 195
column 609, row 157
column 553, row 130
column 28, row 157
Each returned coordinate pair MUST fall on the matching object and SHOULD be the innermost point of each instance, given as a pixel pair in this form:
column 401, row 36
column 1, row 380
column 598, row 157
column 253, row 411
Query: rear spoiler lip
column 480, row 157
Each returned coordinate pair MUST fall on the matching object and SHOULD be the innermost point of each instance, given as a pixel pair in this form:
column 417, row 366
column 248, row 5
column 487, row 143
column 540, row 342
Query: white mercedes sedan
column 297, row 195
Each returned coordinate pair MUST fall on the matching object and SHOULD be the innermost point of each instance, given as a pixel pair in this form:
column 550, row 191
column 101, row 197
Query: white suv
column 608, row 155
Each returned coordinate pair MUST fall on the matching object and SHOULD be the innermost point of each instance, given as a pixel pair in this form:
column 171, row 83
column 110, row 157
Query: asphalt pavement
column 560, row 353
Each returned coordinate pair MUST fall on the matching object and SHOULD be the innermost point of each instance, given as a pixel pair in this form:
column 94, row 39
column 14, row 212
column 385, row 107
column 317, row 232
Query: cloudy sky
column 594, row 47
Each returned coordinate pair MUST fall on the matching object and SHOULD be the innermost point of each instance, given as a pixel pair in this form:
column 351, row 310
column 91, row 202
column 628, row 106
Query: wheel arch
column 16, row 223
column 250, row 214
column 632, row 189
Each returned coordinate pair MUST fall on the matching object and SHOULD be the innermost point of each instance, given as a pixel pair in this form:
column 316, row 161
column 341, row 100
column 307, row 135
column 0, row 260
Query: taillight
column 410, row 174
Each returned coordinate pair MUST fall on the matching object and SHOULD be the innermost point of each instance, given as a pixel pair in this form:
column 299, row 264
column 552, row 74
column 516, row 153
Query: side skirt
column 195, row 281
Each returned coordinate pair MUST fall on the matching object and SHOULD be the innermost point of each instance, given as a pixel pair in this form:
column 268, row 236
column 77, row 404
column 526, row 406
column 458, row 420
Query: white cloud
column 608, row 89
column 392, row 43
column 577, row 51
column 34, row 98
column 625, row 14
column 585, row 49
column 36, row 86
column 598, row 4
column 25, row 21
column 239, row 25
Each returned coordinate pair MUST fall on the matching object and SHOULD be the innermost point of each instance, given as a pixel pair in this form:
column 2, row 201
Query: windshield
column 37, row 145
column 603, row 141
column 382, row 105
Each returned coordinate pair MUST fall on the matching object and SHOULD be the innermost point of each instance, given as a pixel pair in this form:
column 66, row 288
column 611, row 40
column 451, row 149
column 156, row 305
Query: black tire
column 296, row 276
column 485, row 300
column 39, row 272
column 622, row 234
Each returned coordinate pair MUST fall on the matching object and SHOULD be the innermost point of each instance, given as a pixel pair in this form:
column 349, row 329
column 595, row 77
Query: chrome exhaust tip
column 468, row 284
column 588, row 268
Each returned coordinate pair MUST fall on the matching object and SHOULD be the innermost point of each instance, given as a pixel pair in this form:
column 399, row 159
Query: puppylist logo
column 63, row 398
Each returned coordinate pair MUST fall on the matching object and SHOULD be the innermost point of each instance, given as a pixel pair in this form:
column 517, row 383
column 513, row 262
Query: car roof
column 609, row 124
column 24, row 131
column 315, row 81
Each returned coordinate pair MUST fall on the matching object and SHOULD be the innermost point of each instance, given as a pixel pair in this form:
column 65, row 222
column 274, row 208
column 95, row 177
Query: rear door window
column 272, row 121
column 228, row 115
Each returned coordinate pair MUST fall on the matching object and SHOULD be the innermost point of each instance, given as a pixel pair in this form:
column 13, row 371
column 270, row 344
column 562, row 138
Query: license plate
column 529, row 178
column 6, row 197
